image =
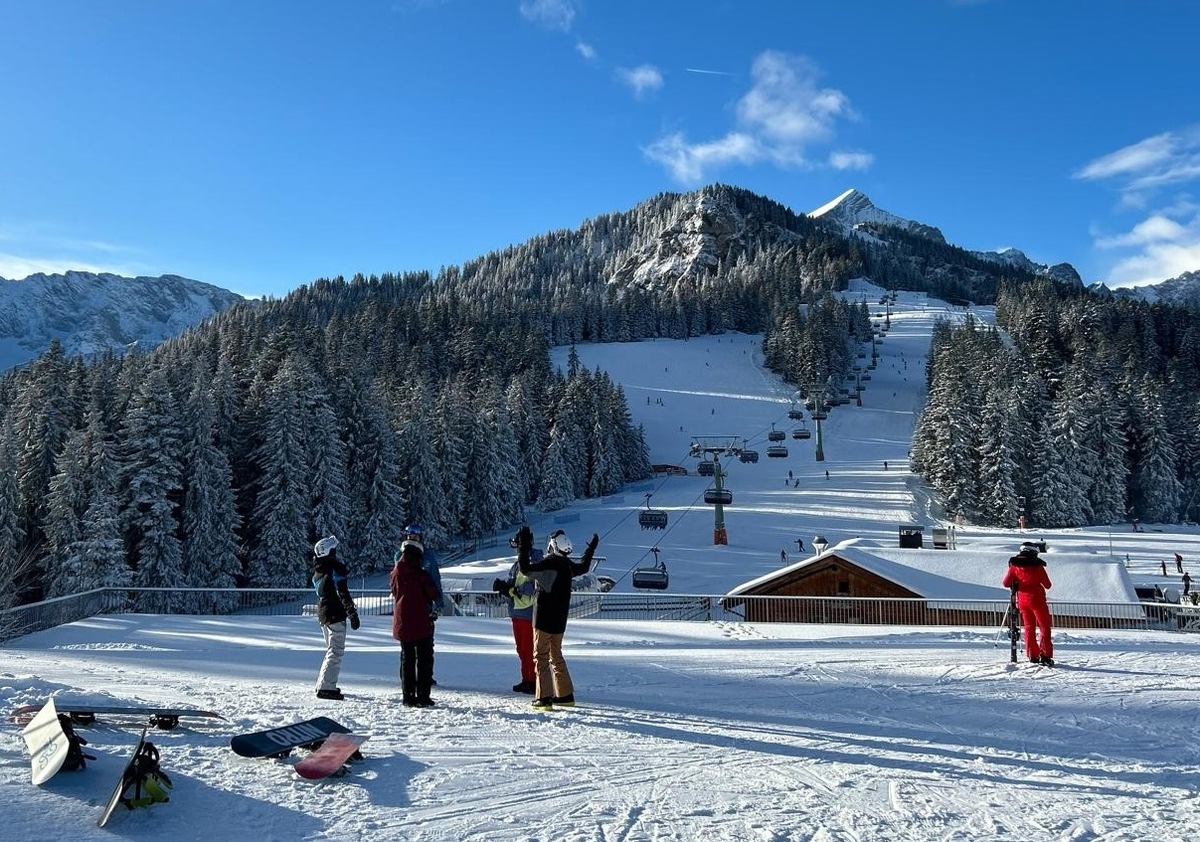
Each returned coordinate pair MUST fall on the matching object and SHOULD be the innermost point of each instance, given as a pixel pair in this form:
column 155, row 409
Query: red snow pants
column 1035, row 617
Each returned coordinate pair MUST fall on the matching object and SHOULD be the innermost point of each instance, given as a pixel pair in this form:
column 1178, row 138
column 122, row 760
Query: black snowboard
column 115, row 798
column 279, row 741
column 84, row 713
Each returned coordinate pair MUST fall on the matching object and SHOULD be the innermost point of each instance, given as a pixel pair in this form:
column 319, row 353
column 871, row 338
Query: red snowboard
column 331, row 756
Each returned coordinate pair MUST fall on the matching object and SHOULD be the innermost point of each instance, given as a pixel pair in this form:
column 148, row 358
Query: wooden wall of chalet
column 834, row 578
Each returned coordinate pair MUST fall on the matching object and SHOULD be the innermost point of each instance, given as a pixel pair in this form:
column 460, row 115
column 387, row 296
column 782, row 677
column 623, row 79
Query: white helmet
column 325, row 546
column 559, row 543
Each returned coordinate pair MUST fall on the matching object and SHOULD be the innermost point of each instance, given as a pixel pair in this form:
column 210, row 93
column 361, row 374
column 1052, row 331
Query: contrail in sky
column 709, row 72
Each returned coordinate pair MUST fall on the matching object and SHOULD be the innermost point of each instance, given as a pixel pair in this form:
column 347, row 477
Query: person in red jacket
column 413, row 589
column 1027, row 574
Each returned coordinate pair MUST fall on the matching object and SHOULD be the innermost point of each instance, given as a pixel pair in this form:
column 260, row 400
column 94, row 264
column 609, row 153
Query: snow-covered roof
column 971, row 574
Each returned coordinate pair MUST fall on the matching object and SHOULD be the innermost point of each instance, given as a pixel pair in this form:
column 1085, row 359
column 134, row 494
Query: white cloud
column 687, row 162
column 1166, row 242
column 1156, row 229
column 1156, row 263
column 643, row 78
column 846, row 160
column 783, row 114
column 586, row 50
column 552, row 14
column 15, row 268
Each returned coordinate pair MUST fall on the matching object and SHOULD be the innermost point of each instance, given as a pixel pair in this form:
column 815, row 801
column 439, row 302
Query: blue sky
column 260, row 145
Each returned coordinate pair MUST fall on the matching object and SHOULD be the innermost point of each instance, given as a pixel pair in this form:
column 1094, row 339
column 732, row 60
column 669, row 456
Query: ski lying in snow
column 82, row 713
column 47, row 742
column 332, row 755
column 277, row 742
column 141, row 784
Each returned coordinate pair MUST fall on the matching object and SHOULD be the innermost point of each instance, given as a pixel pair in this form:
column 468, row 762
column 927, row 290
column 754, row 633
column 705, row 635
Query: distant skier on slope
column 1028, row 572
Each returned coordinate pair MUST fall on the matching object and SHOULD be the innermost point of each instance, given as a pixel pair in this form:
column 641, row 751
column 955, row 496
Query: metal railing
column 617, row 606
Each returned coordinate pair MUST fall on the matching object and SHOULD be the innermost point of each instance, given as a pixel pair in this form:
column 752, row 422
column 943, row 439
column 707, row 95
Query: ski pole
column 1003, row 626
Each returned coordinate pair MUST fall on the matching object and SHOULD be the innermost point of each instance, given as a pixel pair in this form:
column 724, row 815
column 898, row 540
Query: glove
column 525, row 539
column 595, row 542
column 354, row 621
column 500, row 586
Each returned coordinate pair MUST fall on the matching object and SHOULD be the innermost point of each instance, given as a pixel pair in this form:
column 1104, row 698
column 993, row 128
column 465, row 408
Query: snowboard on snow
column 332, row 755
column 47, row 742
column 141, row 783
column 82, row 713
column 279, row 741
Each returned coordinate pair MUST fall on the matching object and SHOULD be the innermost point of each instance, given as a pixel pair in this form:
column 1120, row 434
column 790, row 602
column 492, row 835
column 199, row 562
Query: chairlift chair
column 748, row 456
column 651, row 578
column 776, row 435
column 650, row 518
column 706, row 468
column 801, row 432
column 718, row 496
column 796, row 414
column 777, row 451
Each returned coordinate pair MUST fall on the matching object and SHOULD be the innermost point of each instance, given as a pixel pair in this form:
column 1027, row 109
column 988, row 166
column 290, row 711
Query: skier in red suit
column 1028, row 573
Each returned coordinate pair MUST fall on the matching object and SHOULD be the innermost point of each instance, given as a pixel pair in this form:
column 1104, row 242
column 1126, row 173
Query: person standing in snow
column 520, row 592
column 429, row 563
column 335, row 607
column 553, row 574
column 413, row 590
column 1027, row 573
column 1178, row 563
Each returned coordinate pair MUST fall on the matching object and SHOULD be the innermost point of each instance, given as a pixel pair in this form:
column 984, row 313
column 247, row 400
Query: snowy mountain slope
column 89, row 312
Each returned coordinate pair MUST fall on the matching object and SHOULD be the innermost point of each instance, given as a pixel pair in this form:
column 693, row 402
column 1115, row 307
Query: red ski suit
column 1029, row 573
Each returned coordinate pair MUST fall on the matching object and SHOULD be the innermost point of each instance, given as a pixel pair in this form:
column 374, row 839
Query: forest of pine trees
column 1086, row 407
column 354, row 407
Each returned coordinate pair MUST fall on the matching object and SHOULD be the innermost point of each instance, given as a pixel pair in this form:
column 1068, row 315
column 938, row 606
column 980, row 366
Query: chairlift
column 652, row 518
column 651, row 578
column 748, row 456
column 706, row 468
column 776, row 435
column 795, row 414
column 718, row 496
column 820, row 414
column 801, row 432
column 777, row 451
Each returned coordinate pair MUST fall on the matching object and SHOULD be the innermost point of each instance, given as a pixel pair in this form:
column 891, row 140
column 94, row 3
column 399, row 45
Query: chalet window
column 843, row 587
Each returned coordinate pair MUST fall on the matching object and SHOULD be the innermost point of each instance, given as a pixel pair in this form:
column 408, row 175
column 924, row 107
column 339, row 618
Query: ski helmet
column 1029, row 548
column 325, row 546
column 559, row 543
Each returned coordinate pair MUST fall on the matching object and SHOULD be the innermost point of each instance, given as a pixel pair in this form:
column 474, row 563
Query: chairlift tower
column 720, row 537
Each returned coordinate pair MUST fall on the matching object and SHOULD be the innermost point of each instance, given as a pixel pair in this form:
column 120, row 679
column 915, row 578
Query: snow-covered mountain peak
column 89, row 312
column 853, row 210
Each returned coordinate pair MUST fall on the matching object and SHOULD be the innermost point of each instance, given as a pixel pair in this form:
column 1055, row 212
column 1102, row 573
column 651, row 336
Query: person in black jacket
column 553, row 574
column 335, row 607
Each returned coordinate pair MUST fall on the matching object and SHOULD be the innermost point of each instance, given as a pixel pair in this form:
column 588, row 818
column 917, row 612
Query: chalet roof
column 967, row 574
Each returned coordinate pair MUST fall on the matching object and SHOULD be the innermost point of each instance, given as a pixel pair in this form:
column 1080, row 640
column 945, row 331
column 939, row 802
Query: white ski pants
column 335, row 647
